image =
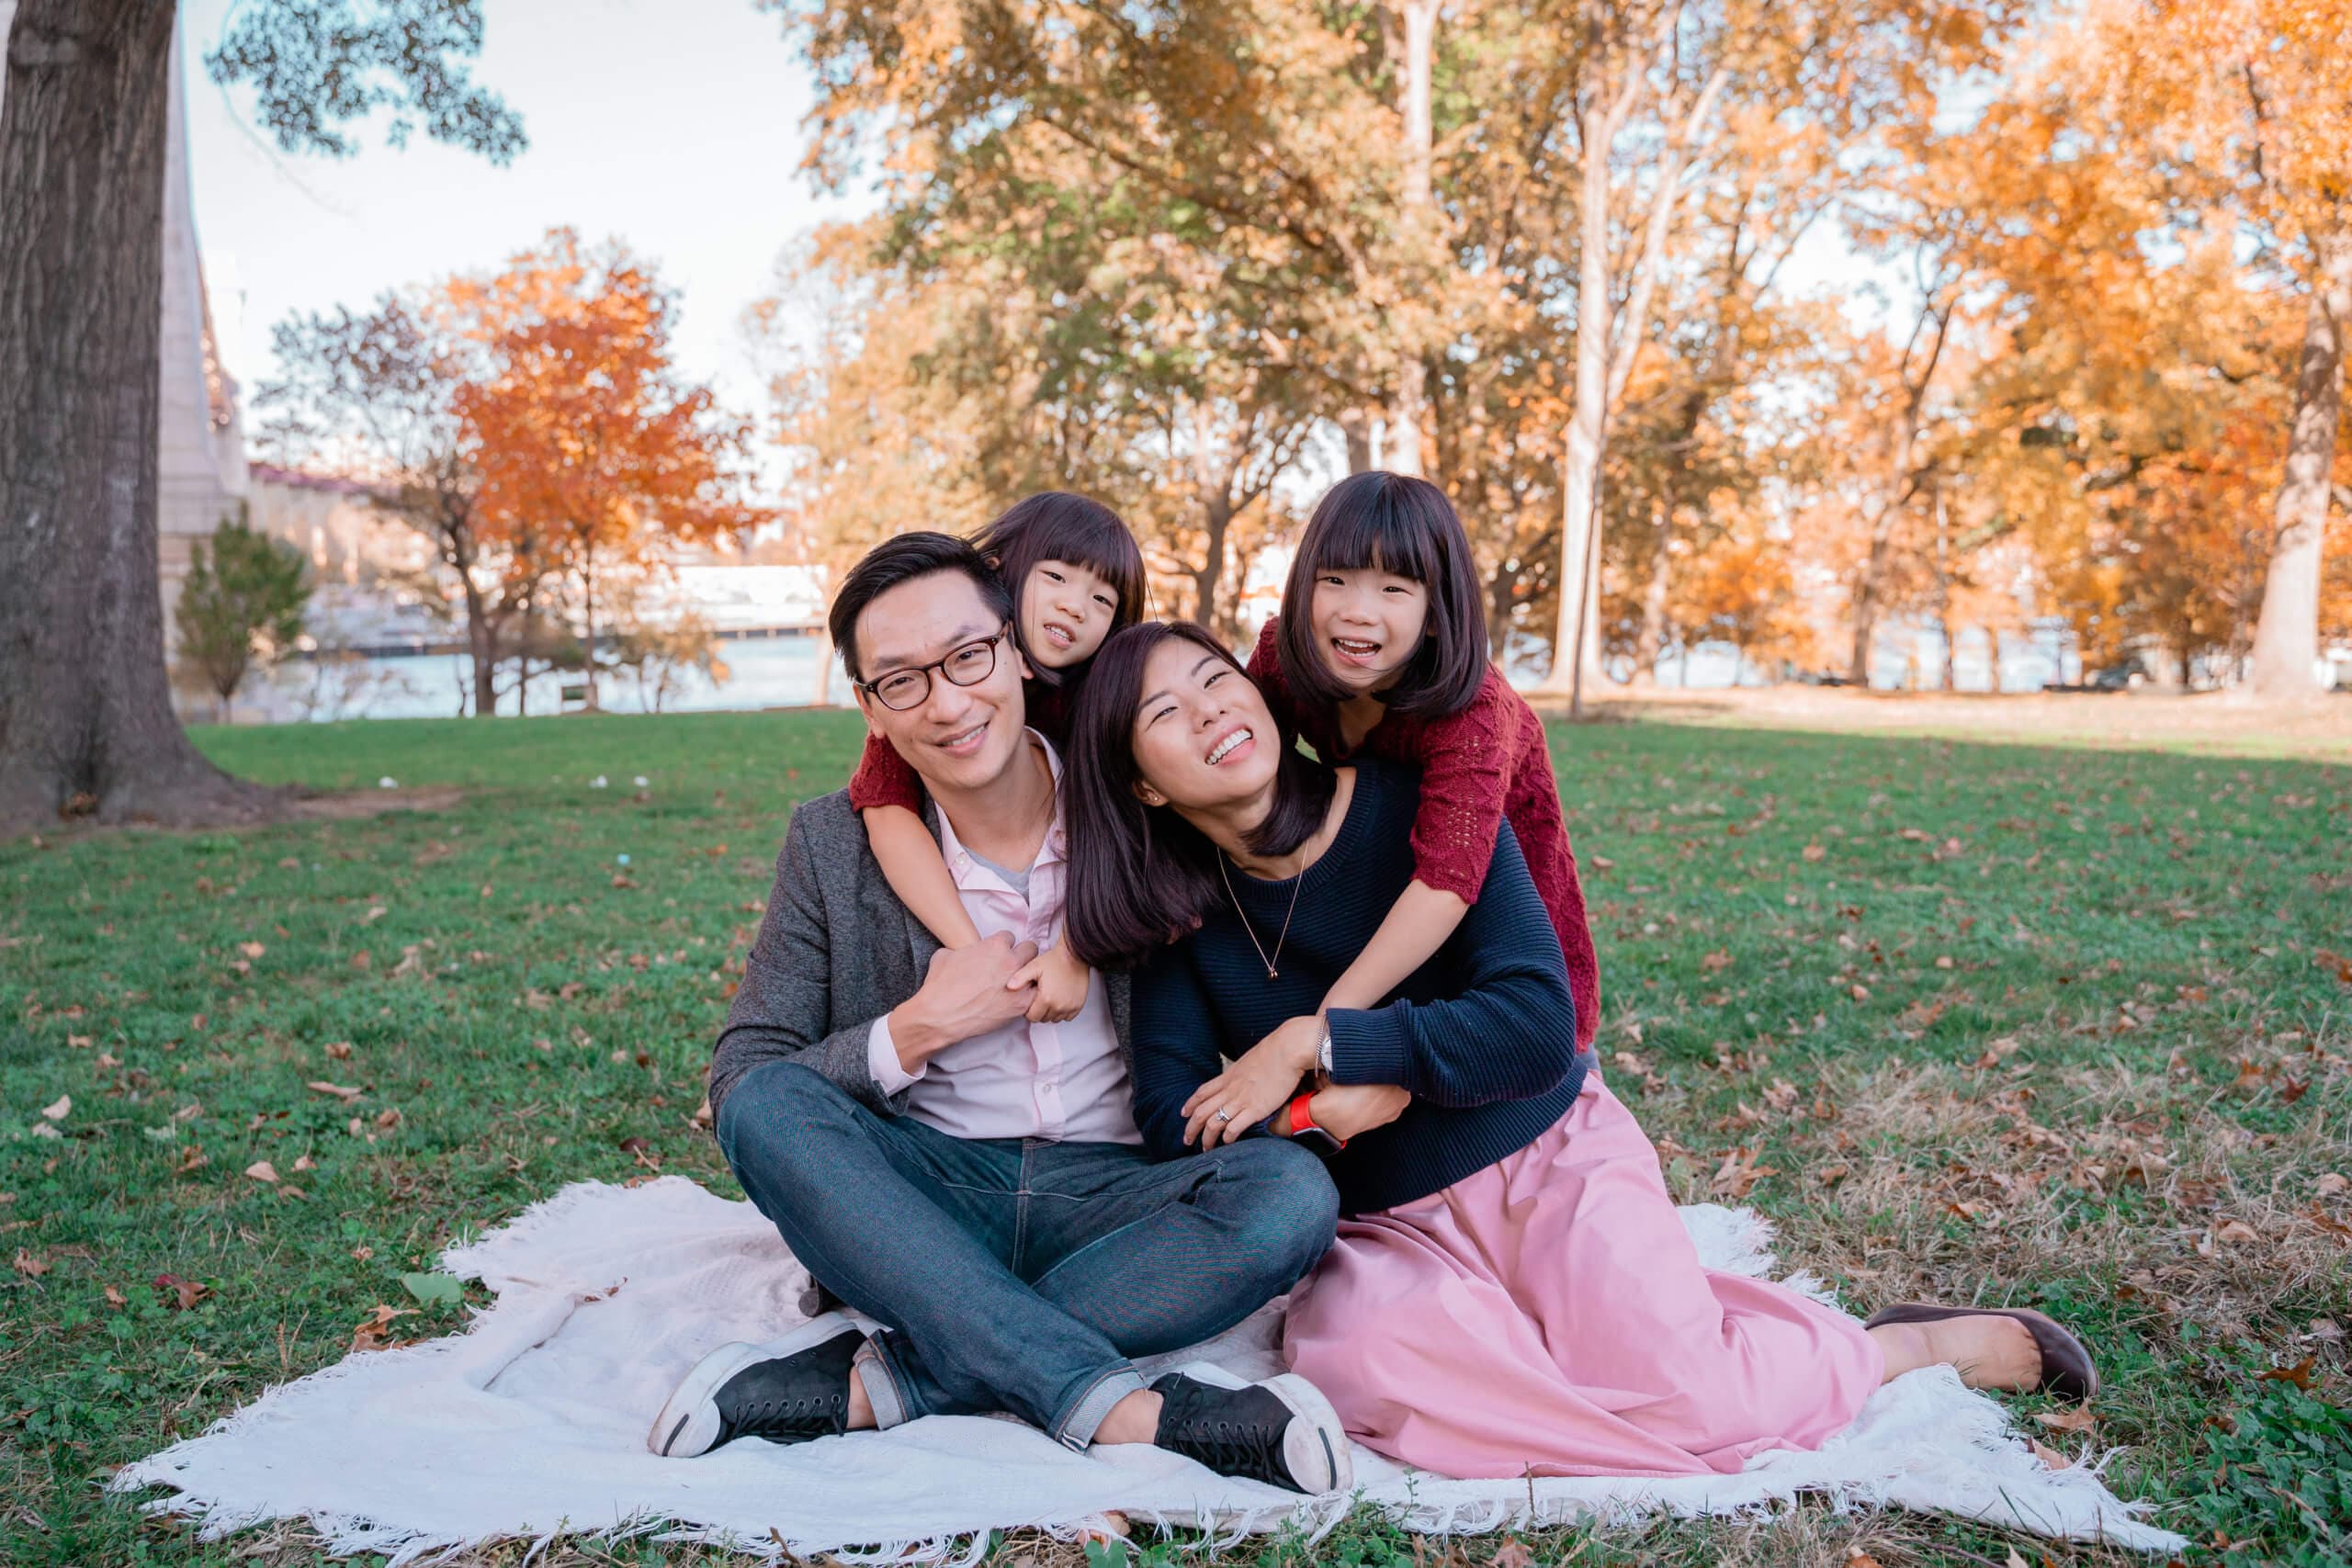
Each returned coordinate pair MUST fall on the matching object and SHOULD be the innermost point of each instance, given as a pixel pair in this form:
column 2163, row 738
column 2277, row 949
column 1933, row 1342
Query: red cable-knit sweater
column 1479, row 767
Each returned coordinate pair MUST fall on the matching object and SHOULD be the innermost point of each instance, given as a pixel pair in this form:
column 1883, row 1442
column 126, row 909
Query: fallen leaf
column 2236, row 1230
column 2300, row 1374
column 304, row 1162
column 1720, row 959
column 115, row 1298
column 362, row 1253
column 2051, row 1458
column 373, row 1332
column 444, row 1290
column 251, row 949
column 262, row 1170
column 1815, row 852
column 2081, row 1418
column 179, row 1294
column 339, row 1092
column 1513, row 1553
column 2333, row 1183
column 31, row 1267
column 1739, row 1173
column 58, row 1112
column 340, row 1050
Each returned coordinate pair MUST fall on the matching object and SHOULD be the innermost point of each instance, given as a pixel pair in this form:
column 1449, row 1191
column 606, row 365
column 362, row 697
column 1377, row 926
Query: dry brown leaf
column 1513, row 1553
column 251, row 949
column 2051, row 1458
column 58, row 1112
column 2236, row 1230
column 2300, row 1374
column 323, row 1087
column 30, row 1267
column 1814, row 851
column 179, row 1294
column 262, row 1170
column 115, row 1298
column 2081, row 1418
column 304, row 1162
column 339, row 1050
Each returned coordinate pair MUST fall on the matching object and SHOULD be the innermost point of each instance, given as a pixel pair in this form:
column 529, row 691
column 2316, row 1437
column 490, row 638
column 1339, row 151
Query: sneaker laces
column 1198, row 1419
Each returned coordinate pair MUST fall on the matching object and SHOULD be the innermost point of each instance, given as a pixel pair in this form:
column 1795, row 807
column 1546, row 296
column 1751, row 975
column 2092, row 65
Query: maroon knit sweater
column 1479, row 767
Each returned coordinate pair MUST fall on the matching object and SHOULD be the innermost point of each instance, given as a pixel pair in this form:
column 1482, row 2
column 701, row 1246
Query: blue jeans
column 1017, row 1274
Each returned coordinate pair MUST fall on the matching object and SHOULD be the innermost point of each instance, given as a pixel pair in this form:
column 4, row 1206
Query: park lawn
column 2061, row 1028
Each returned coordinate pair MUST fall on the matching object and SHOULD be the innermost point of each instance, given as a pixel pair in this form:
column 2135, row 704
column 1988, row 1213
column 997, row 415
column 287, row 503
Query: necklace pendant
column 1272, row 972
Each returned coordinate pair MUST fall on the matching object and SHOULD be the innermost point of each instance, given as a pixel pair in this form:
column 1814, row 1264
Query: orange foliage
column 590, row 450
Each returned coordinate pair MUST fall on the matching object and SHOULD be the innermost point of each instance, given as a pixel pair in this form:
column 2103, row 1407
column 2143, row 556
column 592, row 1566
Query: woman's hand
column 1061, row 978
column 1254, row 1088
column 1349, row 1110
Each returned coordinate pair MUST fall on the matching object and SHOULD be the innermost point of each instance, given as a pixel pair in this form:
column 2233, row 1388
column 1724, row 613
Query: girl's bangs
column 1379, row 538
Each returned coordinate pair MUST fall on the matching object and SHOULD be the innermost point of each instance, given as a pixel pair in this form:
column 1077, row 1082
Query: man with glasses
column 971, row 1183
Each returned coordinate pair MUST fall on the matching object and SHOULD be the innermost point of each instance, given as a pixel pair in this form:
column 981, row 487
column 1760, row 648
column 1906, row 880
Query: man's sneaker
column 1282, row 1431
column 787, row 1391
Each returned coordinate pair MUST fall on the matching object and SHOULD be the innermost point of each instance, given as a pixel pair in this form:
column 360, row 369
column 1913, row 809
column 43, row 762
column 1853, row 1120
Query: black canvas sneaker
column 1282, row 1431
column 787, row 1391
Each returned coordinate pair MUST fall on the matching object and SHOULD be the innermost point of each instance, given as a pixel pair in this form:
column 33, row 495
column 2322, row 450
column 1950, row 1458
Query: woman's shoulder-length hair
column 1141, row 875
column 1390, row 522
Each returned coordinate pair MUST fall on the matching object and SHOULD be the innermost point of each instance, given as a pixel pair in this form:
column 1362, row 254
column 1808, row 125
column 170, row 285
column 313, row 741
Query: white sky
column 674, row 125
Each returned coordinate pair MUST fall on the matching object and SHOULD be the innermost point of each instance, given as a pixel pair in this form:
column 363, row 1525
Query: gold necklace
column 1272, row 972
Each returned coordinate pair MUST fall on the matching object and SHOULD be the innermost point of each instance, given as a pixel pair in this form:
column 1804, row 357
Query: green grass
column 2040, row 1026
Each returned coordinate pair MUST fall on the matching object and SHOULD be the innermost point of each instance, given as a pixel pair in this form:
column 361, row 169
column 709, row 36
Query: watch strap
column 1301, row 1117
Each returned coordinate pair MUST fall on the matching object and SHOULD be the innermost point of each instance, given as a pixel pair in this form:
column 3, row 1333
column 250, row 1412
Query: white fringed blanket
column 532, row 1424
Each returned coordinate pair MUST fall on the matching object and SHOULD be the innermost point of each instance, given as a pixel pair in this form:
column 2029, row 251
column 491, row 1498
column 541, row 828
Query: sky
column 673, row 125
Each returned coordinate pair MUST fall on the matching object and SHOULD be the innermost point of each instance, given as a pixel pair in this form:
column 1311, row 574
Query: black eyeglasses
column 967, row 666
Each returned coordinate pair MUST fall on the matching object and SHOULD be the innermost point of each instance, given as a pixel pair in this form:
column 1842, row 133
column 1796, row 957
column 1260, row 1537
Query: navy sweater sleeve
column 1176, row 1047
column 1509, row 1032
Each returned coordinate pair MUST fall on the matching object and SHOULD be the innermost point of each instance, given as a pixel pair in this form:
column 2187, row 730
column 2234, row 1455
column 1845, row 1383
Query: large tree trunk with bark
column 1217, row 522
column 87, row 725
column 1867, row 598
column 1356, row 425
column 2286, row 637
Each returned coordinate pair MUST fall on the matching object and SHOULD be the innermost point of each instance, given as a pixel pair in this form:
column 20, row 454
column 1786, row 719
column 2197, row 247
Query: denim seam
column 1088, row 1411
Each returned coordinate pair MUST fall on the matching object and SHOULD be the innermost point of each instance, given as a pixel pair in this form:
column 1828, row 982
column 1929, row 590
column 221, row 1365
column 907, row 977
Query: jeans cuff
column 880, row 1380
column 1075, row 1427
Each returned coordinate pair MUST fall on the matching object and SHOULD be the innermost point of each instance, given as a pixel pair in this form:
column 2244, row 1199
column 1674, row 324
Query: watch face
column 1317, row 1139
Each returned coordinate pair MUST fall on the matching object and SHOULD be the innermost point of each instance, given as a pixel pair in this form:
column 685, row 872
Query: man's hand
column 1060, row 978
column 966, row 993
column 1350, row 1110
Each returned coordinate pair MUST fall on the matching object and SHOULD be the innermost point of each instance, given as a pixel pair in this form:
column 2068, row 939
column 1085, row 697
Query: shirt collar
column 968, row 872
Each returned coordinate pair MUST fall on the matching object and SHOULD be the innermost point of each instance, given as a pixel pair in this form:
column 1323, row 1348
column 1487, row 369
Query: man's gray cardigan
column 835, row 952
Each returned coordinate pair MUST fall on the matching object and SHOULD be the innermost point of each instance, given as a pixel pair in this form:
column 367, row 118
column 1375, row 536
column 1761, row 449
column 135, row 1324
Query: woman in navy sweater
column 1511, row 1290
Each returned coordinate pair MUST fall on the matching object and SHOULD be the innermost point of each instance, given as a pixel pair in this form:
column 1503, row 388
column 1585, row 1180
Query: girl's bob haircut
column 1141, row 875
column 1056, row 525
column 1404, row 526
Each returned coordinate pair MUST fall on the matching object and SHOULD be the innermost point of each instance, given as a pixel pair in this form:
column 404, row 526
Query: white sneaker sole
column 689, row 1424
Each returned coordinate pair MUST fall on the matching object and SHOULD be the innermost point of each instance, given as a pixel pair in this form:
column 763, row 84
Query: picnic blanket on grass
column 531, row 1425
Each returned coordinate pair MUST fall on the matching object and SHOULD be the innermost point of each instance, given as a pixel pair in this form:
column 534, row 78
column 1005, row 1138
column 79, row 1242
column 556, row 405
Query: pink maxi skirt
column 1549, row 1315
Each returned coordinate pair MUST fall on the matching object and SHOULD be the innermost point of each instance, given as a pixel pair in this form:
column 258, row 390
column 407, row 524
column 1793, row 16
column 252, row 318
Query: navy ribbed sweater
column 1484, row 1035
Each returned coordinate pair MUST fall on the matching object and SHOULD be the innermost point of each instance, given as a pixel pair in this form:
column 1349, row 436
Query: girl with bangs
column 1380, row 652
column 1076, row 577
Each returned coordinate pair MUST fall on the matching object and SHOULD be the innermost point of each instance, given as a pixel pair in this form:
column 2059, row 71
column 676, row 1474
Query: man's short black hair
column 903, row 558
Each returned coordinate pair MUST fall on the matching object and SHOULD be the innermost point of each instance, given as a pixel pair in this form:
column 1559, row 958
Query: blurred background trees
column 1821, row 332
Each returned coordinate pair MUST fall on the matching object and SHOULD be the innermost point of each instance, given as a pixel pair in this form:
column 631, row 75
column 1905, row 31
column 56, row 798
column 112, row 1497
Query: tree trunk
column 482, row 645
column 1576, row 643
column 86, row 724
column 1408, row 419
column 1502, row 591
column 1866, row 599
column 588, row 616
column 1356, row 425
column 1651, row 647
column 2286, row 637
column 1216, row 518
column 823, row 694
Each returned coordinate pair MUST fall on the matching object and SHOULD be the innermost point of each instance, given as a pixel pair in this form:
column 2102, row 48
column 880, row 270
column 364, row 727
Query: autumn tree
column 591, row 449
column 86, row 718
column 374, row 395
column 2241, row 105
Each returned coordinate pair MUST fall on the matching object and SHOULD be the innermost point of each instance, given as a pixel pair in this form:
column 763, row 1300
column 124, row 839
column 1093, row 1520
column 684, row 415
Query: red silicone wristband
column 1301, row 1117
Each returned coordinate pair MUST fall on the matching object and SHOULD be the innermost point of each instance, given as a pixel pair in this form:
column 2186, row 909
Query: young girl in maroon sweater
column 1076, row 577
column 1380, row 650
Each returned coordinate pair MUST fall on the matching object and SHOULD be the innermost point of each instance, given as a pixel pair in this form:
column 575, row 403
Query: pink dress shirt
column 1066, row 1082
